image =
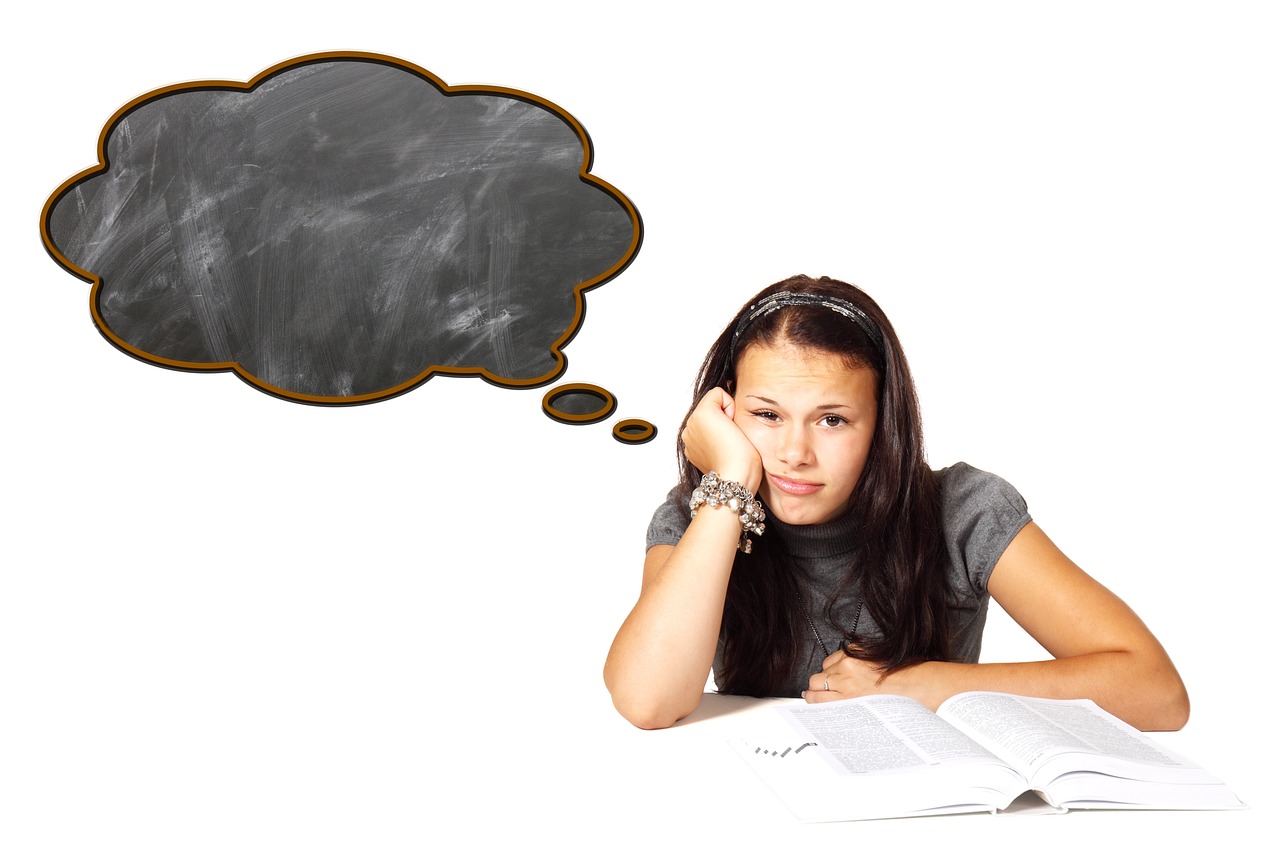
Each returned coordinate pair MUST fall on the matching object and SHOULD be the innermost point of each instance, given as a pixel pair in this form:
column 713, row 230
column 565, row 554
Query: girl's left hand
column 843, row 677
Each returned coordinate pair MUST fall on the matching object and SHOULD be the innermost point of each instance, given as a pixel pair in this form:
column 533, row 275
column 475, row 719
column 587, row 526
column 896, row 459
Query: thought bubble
column 578, row 403
column 341, row 228
column 581, row 403
column 634, row 431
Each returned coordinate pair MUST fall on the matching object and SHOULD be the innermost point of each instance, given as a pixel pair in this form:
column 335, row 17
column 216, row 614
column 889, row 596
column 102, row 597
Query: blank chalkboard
column 341, row 228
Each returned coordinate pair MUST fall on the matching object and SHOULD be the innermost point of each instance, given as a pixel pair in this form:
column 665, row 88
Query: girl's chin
column 790, row 510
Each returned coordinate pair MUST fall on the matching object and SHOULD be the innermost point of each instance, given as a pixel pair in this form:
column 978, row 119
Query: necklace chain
column 814, row 628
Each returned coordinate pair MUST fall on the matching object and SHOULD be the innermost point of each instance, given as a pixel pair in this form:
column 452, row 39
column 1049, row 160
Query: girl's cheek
column 759, row 440
column 749, row 429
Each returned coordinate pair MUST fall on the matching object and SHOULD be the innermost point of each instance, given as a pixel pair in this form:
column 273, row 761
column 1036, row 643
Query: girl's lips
column 793, row 487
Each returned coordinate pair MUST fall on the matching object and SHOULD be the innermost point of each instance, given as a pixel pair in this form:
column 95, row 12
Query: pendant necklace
column 825, row 653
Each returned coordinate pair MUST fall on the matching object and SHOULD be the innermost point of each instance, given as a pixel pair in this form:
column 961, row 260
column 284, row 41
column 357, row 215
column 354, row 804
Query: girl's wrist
column 748, row 479
column 717, row 492
column 921, row 681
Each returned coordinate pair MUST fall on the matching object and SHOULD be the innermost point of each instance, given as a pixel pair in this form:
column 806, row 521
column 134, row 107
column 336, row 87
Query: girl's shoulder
column 981, row 513
column 963, row 488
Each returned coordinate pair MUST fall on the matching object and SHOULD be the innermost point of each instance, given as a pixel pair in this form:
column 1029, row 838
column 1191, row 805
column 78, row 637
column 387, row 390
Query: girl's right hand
column 713, row 442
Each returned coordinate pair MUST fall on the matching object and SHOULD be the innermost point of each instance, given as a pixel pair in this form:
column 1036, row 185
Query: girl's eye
column 765, row 414
column 833, row 421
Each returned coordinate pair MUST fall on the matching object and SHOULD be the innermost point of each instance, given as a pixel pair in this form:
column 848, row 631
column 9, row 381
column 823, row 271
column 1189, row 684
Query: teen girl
column 810, row 551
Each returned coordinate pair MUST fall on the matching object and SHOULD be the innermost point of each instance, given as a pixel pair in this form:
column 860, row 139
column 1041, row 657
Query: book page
column 1027, row 732
column 874, row 757
column 1077, row 755
column 882, row 733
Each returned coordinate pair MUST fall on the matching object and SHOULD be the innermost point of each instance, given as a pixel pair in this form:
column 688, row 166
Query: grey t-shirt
column 981, row 513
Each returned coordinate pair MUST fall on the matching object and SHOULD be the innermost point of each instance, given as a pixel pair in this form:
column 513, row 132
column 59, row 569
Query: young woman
column 809, row 550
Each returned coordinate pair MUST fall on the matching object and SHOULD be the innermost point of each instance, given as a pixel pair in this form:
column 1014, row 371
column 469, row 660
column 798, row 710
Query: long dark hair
column 898, row 563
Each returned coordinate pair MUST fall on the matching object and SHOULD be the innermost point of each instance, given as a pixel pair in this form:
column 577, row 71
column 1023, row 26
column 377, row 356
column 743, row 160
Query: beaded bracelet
column 713, row 492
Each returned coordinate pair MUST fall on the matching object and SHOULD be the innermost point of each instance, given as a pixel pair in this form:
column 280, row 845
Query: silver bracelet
column 713, row 492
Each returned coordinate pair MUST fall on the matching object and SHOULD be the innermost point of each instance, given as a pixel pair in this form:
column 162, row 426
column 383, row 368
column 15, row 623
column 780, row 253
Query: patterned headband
column 785, row 299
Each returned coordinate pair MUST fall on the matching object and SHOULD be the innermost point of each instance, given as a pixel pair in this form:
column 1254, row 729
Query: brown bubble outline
column 432, row 370
column 628, row 431
column 607, row 403
column 634, row 431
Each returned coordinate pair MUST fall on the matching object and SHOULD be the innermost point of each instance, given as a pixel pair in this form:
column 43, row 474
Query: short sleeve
column 669, row 522
column 981, row 513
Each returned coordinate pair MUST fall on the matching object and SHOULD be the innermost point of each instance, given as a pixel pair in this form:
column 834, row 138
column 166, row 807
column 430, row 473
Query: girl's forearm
column 1140, row 687
column 657, row 667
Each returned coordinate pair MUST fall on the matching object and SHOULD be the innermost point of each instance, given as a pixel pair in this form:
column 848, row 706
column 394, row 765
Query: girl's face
column 811, row 418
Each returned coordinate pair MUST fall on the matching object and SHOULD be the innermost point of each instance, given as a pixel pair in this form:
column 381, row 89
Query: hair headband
column 786, row 298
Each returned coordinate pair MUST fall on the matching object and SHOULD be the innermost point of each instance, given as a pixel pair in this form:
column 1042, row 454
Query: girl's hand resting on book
column 843, row 677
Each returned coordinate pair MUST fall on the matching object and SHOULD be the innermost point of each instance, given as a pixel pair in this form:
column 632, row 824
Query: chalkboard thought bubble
column 341, row 228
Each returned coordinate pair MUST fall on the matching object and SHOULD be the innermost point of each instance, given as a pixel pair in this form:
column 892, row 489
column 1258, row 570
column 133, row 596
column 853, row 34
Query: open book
column 890, row 756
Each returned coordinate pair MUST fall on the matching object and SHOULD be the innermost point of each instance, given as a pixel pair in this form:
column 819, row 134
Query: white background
column 229, row 622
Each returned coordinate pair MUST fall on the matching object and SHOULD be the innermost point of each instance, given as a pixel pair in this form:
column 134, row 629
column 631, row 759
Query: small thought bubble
column 341, row 228
column 578, row 403
column 634, row 431
column 581, row 403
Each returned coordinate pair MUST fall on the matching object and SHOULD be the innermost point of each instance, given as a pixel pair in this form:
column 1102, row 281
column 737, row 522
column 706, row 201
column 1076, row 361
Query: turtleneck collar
column 816, row 541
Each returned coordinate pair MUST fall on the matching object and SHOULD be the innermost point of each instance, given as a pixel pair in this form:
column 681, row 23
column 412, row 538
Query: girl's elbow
column 1169, row 705
column 643, row 709
column 1177, row 707
column 647, row 711
column 648, row 718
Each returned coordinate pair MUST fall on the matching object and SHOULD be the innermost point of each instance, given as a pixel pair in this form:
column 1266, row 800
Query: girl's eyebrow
column 824, row 407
